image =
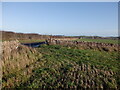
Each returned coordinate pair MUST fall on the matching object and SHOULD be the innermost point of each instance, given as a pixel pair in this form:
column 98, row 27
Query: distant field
column 99, row 40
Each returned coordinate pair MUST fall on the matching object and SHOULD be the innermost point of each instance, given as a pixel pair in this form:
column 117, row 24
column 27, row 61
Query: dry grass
column 85, row 45
column 17, row 62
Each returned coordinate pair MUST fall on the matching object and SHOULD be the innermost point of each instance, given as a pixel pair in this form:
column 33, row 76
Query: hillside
column 8, row 35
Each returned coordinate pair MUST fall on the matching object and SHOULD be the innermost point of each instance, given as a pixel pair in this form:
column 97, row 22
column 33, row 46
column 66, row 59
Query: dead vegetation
column 15, row 62
column 84, row 45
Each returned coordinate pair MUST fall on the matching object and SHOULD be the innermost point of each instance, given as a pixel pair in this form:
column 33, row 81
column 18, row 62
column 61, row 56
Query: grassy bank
column 17, row 63
column 99, row 40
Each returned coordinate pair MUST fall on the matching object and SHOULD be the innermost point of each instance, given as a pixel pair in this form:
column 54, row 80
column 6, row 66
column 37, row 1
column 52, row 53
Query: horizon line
column 59, row 34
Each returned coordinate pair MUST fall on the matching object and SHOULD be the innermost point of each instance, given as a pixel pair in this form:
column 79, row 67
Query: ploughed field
column 55, row 66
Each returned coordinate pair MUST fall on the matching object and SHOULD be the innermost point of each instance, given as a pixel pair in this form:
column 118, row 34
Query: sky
column 0, row 15
column 61, row 18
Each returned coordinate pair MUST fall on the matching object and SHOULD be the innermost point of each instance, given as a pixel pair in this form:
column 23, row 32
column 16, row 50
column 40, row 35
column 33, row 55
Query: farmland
column 55, row 66
column 99, row 40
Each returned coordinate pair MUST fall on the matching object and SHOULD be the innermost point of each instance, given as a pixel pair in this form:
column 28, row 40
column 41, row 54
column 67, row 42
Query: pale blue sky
column 89, row 18
column 0, row 15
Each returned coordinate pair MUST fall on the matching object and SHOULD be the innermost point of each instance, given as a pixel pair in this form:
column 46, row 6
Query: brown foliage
column 84, row 45
column 17, row 60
